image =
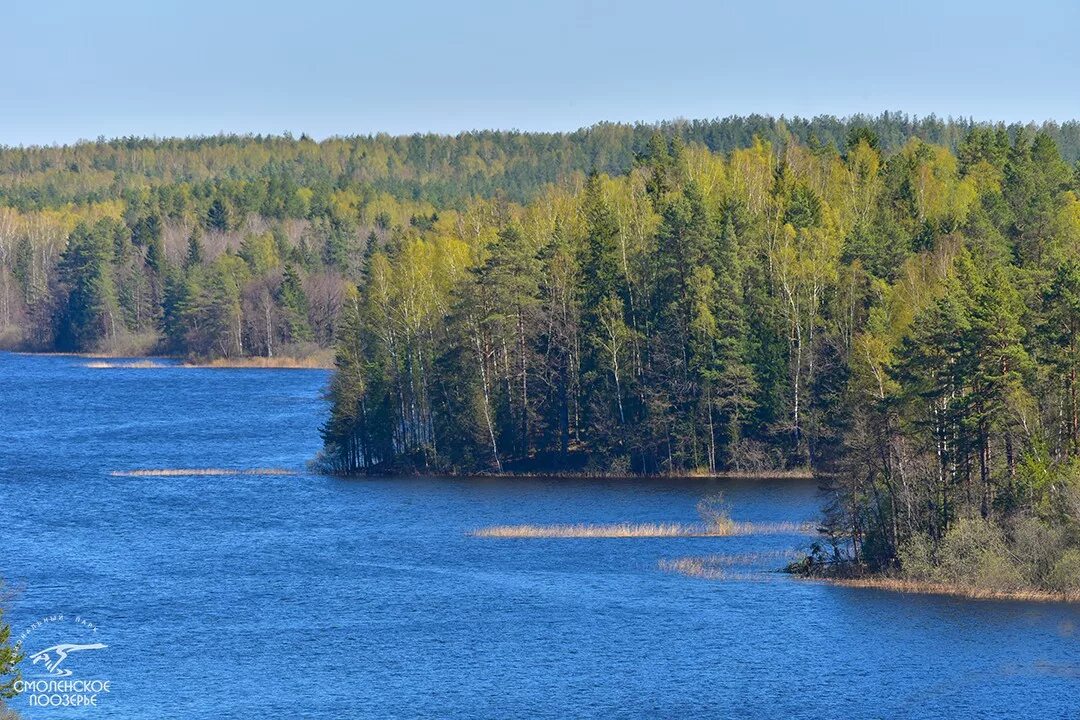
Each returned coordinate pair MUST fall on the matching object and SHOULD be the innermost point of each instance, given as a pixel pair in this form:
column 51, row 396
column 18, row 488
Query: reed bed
column 102, row 364
column 320, row 361
column 686, row 475
column 920, row 587
column 767, row 557
column 642, row 530
column 693, row 567
column 192, row 472
column 715, row 567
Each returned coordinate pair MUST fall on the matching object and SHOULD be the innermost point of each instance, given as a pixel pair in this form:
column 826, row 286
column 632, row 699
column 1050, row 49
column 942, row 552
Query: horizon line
column 290, row 134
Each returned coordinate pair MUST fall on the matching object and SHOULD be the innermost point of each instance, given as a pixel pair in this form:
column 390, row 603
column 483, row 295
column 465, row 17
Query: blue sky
column 117, row 67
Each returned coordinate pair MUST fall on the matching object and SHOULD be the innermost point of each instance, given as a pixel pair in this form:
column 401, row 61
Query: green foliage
column 294, row 305
column 91, row 313
column 195, row 252
column 1065, row 576
column 260, row 253
column 10, row 657
column 973, row 553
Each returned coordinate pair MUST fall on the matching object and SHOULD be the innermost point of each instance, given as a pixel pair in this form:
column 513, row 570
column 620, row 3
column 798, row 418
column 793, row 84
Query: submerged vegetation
column 725, row 567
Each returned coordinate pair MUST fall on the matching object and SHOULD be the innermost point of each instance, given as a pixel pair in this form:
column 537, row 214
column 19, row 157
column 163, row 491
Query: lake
column 242, row 596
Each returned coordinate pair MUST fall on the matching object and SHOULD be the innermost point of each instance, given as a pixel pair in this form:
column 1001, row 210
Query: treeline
column 253, row 267
column 262, row 174
column 190, row 208
column 104, row 280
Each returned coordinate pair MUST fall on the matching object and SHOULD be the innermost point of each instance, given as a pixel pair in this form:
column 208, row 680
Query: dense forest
column 244, row 245
column 905, row 322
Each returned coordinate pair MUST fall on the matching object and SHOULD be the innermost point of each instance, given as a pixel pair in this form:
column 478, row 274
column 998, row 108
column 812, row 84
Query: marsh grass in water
column 318, row 361
column 643, row 530
column 612, row 530
column 714, row 512
column 139, row 364
column 726, row 567
column 923, row 587
column 183, row 472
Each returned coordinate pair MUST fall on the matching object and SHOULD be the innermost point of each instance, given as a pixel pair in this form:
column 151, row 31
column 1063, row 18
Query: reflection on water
column 238, row 596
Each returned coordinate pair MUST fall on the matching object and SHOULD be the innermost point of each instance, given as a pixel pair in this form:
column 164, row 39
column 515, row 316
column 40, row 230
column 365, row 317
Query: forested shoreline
column 905, row 322
column 889, row 303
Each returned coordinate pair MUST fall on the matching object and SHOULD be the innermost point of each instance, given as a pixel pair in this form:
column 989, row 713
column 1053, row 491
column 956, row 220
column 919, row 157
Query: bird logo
column 53, row 656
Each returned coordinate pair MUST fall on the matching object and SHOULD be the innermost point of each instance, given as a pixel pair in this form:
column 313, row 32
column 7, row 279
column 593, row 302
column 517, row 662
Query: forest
column 905, row 323
column 234, row 246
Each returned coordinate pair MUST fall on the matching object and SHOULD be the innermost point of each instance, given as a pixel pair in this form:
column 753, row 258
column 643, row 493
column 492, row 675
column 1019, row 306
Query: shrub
column 916, row 558
column 974, row 553
column 1065, row 576
column 1036, row 547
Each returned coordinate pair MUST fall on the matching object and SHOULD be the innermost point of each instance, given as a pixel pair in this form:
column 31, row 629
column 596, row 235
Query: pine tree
column 512, row 273
column 91, row 315
column 294, row 305
column 735, row 384
column 218, row 216
column 194, row 256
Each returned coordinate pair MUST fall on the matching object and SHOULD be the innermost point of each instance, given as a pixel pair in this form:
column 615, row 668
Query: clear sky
column 81, row 69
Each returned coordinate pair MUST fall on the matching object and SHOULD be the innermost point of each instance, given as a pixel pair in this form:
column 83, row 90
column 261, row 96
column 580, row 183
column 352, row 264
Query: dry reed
column 717, row 567
column 314, row 362
column 184, row 472
column 641, row 530
column 921, row 587
column 100, row 364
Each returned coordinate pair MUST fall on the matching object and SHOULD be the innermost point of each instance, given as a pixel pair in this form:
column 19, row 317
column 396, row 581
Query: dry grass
column 322, row 360
column 641, row 530
column 172, row 472
column 684, row 475
column 132, row 364
column 613, row 530
column 932, row 588
column 318, row 361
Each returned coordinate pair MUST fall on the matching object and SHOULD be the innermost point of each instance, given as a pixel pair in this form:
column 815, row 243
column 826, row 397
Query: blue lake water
column 315, row 597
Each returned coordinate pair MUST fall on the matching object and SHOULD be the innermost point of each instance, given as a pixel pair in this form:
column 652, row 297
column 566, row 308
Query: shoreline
column 923, row 587
column 313, row 362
